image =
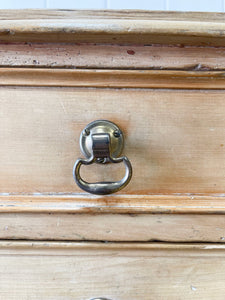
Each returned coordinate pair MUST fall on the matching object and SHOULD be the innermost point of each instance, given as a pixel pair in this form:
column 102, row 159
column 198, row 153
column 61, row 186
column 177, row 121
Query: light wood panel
column 58, row 55
column 112, row 78
column 116, row 271
column 113, row 227
column 174, row 139
column 113, row 27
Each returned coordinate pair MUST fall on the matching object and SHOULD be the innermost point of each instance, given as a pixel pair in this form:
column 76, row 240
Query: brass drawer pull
column 102, row 142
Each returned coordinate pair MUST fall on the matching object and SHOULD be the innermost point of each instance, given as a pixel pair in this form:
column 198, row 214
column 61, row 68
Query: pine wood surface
column 112, row 27
column 70, row 14
column 117, row 203
column 174, row 139
column 160, row 77
column 171, row 79
column 57, row 270
column 105, row 56
column 88, row 227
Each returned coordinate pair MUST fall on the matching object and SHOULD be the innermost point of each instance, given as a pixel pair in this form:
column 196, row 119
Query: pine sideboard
column 160, row 77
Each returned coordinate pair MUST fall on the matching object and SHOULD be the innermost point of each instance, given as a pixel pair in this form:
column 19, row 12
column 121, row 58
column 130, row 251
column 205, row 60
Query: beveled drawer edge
column 81, row 203
column 100, row 78
column 113, row 27
column 116, row 249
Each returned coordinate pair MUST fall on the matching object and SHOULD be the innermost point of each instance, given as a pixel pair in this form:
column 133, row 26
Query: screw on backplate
column 100, row 160
column 116, row 133
column 86, row 131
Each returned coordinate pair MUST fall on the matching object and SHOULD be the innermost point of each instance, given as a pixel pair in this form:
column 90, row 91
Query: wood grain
column 112, row 78
column 77, row 271
column 133, row 204
column 174, row 139
column 173, row 121
column 64, row 14
column 113, row 27
column 112, row 227
column 56, row 55
column 62, row 248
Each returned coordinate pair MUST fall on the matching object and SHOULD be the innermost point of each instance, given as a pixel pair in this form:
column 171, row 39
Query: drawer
column 171, row 111
column 170, row 134
column 80, row 271
column 174, row 138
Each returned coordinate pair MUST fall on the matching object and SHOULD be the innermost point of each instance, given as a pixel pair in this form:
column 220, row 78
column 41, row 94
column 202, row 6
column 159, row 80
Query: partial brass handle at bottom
column 100, row 299
column 106, row 140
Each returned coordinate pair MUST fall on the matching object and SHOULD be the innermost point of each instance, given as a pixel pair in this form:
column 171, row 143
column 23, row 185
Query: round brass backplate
column 101, row 126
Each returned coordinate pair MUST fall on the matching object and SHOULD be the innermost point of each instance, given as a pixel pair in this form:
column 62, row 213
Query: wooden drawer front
column 80, row 271
column 174, row 138
column 113, row 227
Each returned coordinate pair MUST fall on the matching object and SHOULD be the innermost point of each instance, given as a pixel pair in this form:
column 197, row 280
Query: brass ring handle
column 102, row 188
column 102, row 142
